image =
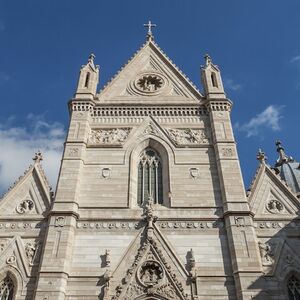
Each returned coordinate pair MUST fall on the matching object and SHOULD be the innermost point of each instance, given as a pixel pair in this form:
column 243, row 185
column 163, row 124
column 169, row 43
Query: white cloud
column 18, row 145
column 295, row 58
column 231, row 85
column 268, row 118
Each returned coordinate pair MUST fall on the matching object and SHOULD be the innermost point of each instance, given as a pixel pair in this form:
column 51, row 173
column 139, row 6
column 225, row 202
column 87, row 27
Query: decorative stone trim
column 195, row 225
column 157, row 111
column 21, row 225
column 219, row 106
column 277, row 224
column 117, row 225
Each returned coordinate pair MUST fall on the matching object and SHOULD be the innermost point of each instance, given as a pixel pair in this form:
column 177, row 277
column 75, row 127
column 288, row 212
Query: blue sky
column 43, row 44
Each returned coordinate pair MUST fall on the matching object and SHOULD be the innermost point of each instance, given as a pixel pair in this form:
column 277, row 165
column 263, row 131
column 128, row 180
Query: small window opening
column 214, row 80
column 293, row 286
column 6, row 289
column 87, row 79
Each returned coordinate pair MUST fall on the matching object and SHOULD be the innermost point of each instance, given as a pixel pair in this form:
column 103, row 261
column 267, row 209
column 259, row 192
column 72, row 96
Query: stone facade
column 207, row 240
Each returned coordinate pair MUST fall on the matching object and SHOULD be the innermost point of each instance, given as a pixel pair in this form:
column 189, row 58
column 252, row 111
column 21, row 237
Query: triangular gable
column 30, row 195
column 148, row 128
column 270, row 196
column 14, row 255
column 174, row 86
column 150, row 267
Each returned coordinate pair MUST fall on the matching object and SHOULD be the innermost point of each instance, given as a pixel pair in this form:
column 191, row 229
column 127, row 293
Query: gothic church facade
column 150, row 201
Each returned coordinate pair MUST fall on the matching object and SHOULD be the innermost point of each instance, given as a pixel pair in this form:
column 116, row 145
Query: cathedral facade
column 150, row 201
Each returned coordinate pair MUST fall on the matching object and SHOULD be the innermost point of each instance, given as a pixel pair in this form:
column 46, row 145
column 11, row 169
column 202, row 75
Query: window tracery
column 150, row 177
column 293, row 286
column 6, row 289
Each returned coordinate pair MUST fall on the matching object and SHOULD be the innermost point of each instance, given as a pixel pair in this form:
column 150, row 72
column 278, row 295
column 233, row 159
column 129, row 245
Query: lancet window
column 293, row 286
column 6, row 289
column 150, row 177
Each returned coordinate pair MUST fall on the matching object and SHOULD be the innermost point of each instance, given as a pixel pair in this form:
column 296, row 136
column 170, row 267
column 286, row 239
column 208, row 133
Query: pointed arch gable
column 167, row 157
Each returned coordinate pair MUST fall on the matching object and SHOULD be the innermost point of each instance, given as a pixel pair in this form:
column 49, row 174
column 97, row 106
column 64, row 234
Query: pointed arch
column 164, row 153
column 11, row 283
column 292, row 286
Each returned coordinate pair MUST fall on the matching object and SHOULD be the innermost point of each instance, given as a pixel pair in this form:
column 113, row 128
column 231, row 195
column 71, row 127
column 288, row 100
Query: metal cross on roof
column 149, row 25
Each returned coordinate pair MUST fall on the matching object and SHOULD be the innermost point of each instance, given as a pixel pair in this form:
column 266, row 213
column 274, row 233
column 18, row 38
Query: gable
column 30, row 195
column 149, row 78
column 270, row 196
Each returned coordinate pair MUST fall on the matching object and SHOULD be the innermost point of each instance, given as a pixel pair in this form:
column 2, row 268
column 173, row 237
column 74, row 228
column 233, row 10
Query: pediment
column 150, row 77
column 150, row 268
column 29, row 196
column 270, row 196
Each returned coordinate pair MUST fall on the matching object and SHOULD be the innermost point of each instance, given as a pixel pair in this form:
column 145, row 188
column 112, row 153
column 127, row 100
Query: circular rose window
column 148, row 83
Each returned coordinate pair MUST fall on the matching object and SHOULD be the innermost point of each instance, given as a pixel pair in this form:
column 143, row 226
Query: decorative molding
column 11, row 260
column 155, row 111
column 196, row 225
column 277, row 224
column 194, row 173
column 21, row 225
column 224, row 105
column 25, row 206
column 188, row 136
column 111, row 136
column 108, row 225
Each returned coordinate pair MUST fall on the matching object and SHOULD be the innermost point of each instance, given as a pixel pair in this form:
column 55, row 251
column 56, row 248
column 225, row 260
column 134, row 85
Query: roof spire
column 149, row 33
column 283, row 158
column 208, row 60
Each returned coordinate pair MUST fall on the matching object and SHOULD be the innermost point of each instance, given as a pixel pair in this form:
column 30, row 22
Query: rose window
column 150, row 83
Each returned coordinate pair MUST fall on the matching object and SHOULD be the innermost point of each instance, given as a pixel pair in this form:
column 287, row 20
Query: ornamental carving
column 150, row 129
column 227, row 152
column 116, row 136
column 275, row 207
column 266, row 253
column 25, row 206
column 149, row 83
column 150, row 273
column 187, row 136
column 60, row 221
column 30, row 249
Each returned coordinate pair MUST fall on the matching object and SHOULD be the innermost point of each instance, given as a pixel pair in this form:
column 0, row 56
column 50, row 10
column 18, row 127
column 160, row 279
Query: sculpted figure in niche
column 266, row 254
column 30, row 250
column 151, row 273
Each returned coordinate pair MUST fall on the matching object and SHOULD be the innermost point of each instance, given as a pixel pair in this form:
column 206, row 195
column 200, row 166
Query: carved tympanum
column 275, row 207
column 114, row 136
column 25, row 206
column 150, row 273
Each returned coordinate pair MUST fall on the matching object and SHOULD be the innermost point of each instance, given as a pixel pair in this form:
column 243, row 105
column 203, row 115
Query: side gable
column 30, row 195
column 270, row 196
column 174, row 86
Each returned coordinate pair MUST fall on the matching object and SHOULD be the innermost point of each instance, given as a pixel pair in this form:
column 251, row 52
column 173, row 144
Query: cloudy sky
column 43, row 44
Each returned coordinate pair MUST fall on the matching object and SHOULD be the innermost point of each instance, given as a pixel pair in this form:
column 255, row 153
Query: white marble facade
column 204, row 238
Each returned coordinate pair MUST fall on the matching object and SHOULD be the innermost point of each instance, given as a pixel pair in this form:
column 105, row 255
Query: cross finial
column 149, row 25
column 38, row 156
column 261, row 156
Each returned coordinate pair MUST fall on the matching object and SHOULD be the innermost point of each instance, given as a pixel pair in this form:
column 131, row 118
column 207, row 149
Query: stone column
column 55, row 264
column 237, row 216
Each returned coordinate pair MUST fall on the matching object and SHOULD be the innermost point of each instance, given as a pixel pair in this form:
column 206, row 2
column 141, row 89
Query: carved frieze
column 108, row 225
column 188, row 136
column 21, row 225
column 110, row 136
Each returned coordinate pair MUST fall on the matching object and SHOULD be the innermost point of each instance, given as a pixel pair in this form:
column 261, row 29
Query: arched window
column 150, row 177
column 214, row 79
column 293, row 286
column 6, row 289
column 87, row 80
